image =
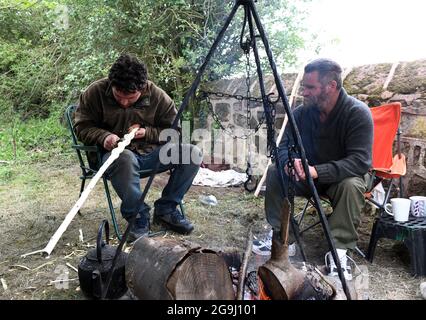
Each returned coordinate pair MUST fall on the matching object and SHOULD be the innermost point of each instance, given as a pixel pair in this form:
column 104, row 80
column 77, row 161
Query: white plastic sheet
column 225, row 178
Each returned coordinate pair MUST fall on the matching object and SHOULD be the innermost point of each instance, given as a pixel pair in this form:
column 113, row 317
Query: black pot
column 94, row 267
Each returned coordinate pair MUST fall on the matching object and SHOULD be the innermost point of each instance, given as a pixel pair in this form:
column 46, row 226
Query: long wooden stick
column 71, row 214
column 243, row 269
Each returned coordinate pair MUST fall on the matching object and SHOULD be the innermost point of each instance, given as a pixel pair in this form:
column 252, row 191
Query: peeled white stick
column 71, row 214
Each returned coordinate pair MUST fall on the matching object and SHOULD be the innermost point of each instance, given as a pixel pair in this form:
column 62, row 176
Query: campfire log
column 281, row 280
column 168, row 269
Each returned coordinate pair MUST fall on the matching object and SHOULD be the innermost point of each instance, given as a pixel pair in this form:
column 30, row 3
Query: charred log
column 168, row 269
column 281, row 280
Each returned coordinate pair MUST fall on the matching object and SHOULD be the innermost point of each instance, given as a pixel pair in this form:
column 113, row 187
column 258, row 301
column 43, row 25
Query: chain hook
column 251, row 183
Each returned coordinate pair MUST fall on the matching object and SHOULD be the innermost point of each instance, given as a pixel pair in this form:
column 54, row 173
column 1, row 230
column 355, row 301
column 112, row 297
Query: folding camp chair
column 386, row 120
column 89, row 169
column 385, row 167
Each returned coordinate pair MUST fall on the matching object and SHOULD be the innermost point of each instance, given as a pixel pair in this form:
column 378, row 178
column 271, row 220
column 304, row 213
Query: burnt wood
column 169, row 269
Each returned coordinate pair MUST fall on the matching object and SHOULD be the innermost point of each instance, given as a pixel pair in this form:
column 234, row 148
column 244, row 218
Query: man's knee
column 273, row 183
column 272, row 176
column 126, row 158
column 352, row 185
column 126, row 164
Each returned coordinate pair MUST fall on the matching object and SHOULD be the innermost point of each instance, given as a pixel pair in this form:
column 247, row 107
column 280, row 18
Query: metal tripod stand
column 253, row 20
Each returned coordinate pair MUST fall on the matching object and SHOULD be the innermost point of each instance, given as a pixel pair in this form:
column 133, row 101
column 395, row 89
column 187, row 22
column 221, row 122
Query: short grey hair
column 328, row 70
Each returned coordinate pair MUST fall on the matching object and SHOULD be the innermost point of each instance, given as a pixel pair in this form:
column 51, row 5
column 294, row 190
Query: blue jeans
column 125, row 178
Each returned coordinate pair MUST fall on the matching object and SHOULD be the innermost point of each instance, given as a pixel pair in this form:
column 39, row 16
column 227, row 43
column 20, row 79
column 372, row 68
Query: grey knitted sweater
column 338, row 148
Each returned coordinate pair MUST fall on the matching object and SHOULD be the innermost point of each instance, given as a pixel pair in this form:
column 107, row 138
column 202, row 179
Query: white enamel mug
column 399, row 208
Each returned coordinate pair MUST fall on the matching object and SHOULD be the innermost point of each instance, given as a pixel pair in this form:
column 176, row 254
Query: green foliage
column 62, row 50
column 34, row 140
column 51, row 50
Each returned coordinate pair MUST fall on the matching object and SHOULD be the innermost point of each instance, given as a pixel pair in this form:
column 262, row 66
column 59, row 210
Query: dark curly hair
column 128, row 74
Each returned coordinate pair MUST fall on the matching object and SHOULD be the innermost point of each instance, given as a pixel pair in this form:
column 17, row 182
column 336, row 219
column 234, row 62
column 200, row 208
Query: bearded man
column 337, row 134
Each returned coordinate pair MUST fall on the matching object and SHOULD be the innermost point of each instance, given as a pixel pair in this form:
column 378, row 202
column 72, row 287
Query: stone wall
column 374, row 84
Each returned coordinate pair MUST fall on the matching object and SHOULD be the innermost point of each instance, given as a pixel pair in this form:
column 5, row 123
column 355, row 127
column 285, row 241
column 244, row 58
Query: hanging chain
column 206, row 96
column 269, row 105
column 248, row 83
column 251, row 183
column 270, row 133
column 238, row 97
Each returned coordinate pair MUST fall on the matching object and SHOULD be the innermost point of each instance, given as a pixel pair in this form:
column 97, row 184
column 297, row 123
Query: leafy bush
column 51, row 50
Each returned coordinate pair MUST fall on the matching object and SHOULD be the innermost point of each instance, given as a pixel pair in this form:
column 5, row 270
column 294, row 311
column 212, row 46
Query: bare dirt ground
column 34, row 201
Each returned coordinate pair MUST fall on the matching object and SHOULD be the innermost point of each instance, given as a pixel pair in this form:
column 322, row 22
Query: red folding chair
column 385, row 166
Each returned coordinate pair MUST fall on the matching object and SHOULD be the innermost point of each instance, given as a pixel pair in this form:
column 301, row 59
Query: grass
column 36, row 196
column 35, row 199
column 33, row 140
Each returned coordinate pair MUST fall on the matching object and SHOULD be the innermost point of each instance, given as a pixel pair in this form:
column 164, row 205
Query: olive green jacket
column 98, row 115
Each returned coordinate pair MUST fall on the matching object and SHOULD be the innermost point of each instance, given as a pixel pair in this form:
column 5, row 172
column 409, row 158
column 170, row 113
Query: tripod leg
column 203, row 67
column 270, row 124
column 193, row 88
column 297, row 138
